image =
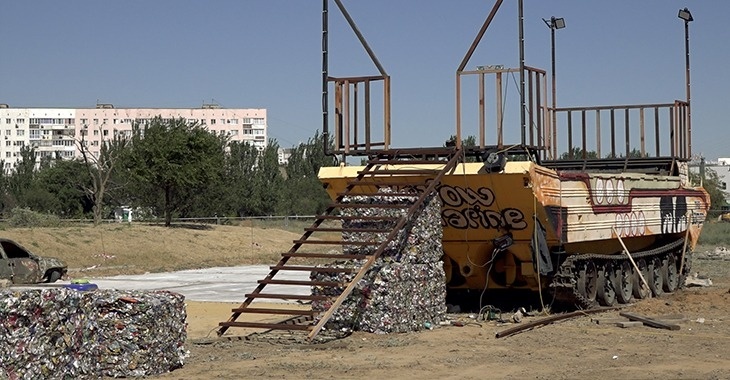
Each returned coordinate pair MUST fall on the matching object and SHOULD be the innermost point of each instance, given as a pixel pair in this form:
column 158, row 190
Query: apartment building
column 58, row 132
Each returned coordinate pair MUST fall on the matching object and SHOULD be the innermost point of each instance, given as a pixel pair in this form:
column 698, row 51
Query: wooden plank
column 550, row 319
column 649, row 321
column 626, row 324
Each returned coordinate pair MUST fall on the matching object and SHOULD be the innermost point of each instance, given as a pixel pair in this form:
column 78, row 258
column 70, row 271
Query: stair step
column 384, row 182
column 331, row 284
column 371, row 205
column 271, row 326
column 370, row 218
column 337, row 242
column 377, row 172
column 329, row 229
column 258, row 310
column 408, row 162
column 305, row 297
column 314, row 269
column 315, row 255
column 384, row 195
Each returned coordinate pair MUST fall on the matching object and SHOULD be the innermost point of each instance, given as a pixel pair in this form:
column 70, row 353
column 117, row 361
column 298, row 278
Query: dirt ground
column 571, row 349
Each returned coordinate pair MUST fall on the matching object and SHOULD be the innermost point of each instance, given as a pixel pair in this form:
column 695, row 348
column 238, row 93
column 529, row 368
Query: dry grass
column 139, row 248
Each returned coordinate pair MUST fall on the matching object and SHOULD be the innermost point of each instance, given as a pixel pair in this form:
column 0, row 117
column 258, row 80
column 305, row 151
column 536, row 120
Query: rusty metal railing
column 669, row 123
column 347, row 118
column 350, row 136
column 537, row 133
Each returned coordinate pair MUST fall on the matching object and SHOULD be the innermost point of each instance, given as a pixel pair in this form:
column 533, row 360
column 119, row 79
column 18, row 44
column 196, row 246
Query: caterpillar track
column 590, row 280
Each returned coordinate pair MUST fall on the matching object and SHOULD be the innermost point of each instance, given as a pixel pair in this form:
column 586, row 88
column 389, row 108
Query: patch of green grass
column 715, row 233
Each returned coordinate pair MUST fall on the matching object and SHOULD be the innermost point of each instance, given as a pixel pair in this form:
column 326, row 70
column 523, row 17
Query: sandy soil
column 576, row 348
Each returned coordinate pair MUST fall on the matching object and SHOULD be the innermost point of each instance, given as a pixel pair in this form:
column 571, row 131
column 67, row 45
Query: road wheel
column 606, row 288
column 54, row 276
column 655, row 280
column 670, row 277
column 624, row 280
column 587, row 279
column 640, row 290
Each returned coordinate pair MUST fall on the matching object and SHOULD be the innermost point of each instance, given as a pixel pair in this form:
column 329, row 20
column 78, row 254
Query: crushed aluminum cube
column 64, row 333
column 405, row 289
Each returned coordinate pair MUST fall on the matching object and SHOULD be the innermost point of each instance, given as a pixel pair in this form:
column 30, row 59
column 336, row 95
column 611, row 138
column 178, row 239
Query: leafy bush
column 715, row 233
column 25, row 217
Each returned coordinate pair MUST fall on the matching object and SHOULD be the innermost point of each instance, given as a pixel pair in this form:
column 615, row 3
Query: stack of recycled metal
column 64, row 333
column 405, row 289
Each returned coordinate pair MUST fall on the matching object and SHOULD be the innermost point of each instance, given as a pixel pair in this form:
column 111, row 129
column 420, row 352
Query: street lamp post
column 686, row 15
column 554, row 23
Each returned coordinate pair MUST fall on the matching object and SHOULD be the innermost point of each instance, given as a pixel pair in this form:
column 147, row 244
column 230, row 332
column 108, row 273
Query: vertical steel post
column 522, row 69
column 689, row 104
column 552, row 71
column 325, row 75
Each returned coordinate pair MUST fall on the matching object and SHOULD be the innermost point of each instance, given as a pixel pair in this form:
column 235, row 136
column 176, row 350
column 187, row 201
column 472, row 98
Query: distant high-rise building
column 57, row 132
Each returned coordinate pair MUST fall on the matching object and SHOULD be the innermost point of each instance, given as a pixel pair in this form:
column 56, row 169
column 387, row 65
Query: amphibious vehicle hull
column 533, row 227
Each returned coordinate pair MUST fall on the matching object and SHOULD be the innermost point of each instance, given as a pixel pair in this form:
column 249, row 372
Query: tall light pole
column 686, row 15
column 554, row 23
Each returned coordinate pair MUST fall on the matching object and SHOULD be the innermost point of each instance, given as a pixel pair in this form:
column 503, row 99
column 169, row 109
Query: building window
column 7, row 142
column 84, row 121
column 20, row 132
column 96, row 132
column 8, row 132
column 7, row 154
column 96, row 121
column 212, row 121
column 95, row 143
column 20, row 121
column 233, row 132
column 106, row 132
column 8, row 121
column 258, row 121
column 246, row 120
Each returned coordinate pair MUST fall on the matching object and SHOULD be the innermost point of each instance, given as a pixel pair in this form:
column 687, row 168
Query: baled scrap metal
column 418, row 242
column 63, row 333
column 405, row 289
column 140, row 333
column 42, row 335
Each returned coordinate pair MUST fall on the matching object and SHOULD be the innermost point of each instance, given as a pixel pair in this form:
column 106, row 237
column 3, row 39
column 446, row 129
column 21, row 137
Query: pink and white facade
column 57, row 131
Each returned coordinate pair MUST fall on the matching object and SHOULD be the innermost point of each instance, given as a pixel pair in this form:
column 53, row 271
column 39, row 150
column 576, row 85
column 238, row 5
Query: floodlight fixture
column 559, row 23
column 685, row 15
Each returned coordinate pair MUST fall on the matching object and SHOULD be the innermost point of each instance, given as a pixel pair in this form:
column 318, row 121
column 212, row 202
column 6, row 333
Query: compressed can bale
column 63, row 333
column 140, row 333
column 42, row 334
column 405, row 288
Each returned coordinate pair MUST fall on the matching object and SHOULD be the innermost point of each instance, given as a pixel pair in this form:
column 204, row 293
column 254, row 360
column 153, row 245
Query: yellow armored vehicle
column 581, row 224
column 590, row 205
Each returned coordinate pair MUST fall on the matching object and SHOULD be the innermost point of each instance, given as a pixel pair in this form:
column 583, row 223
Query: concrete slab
column 219, row 284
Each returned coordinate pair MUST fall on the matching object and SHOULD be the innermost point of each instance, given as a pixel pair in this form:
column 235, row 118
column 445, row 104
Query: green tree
column 67, row 181
column 713, row 185
column 171, row 160
column 101, row 168
column 303, row 193
column 268, row 179
column 240, row 169
column 577, row 154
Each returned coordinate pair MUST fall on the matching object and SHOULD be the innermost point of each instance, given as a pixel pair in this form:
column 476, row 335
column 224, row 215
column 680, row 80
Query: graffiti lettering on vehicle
column 464, row 208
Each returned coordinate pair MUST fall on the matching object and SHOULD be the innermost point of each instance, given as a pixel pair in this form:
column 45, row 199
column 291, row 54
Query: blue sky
column 266, row 54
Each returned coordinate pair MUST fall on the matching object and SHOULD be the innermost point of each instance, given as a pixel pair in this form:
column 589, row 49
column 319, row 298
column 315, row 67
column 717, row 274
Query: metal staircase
column 420, row 171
